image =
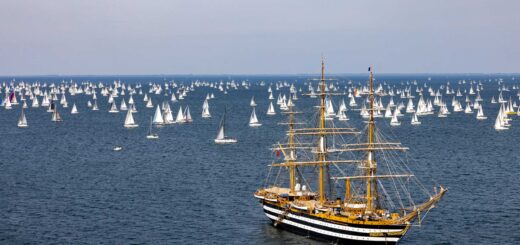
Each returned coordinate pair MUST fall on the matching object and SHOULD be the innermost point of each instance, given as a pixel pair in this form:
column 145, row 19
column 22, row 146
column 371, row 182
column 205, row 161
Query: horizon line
column 259, row 74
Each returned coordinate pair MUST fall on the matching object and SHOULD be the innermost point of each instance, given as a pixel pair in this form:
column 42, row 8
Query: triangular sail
column 158, row 118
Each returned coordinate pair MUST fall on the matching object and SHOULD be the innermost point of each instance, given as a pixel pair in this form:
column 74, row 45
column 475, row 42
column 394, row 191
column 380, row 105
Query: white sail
column 221, row 136
column 74, row 109
column 113, row 108
column 388, row 111
column 95, row 106
column 180, row 116
column 415, row 119
column 253, row 120
column 480, row 113
column 149, row 103
column 157, row 117
column 123, row 106
column 56, row 117
column 342, row 116
column 205, row 109
column 499, row 124
column 129, row 120
column 35, row 103
column 468, row 109
column 271, row 110
column 7, row 103
column 22, row 121
column 187, row 115
column 252, row 103
column 394, row 121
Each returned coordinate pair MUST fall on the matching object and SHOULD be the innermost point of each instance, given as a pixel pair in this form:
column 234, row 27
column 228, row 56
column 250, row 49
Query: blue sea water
column 61, row 183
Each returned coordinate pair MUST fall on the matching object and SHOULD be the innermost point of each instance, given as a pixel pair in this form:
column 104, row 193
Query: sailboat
column 129, row 120
column 187, row 115
column 271, row 110
column 113, row 108
column 180, row 116
column 74, row 109
column 205, row 109
column 95, row 106
column 480, row 113
column 221, row 136
column 22, row 121
column 415, row 120
column 151, row 135
column 252, row 103
column 253, row 120
column 376, row 204
column 394, row 121
column 158, row 117
column 56, row 117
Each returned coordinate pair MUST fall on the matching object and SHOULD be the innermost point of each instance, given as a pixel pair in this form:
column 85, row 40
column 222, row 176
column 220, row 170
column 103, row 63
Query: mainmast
column 322, row 144
column 371, row 165
column 291, row 146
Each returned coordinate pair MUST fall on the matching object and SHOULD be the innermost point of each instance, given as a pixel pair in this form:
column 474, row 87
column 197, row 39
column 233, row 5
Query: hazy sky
column 257, row 36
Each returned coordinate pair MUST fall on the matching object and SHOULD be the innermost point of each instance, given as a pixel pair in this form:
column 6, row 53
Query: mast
column 370, row 163
column 292, row 168
column 322, row 143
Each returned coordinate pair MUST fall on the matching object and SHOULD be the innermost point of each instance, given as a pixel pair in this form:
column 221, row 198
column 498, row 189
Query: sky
column 103, row 37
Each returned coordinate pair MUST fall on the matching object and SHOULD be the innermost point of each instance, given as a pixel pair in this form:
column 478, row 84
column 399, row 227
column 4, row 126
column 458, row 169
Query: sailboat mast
column 322, row 143
column 371, row 165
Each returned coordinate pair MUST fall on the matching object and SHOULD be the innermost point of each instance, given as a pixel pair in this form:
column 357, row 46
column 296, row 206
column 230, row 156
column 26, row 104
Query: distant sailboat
column 123, row 106
column 180, row 116
column 151, row 135
column 221, row 136
column 499, row 124
column 95, row 106
column 394, row 121
column 415, row 119
column 113, row 108
column 271, row 110
column 22, row 121
column 149, row 103
column 342, row 116
column 129, row 120
column 158, row 117
column 187, row 115
column 253, row 120
column 55, row 114
column 252, row 103
column 7, row 103
column 74, row 109
column 35, row 103
column 480, row 113
column 205, row 109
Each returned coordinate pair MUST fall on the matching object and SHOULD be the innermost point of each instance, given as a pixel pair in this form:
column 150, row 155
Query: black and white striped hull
column 324, row 230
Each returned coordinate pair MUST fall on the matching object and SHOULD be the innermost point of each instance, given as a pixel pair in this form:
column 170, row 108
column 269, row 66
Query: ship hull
column 320, row 229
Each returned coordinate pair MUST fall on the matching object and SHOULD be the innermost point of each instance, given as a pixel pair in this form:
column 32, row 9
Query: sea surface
column 62, row 183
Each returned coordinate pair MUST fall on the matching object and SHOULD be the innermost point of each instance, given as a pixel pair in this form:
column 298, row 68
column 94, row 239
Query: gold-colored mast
column 371, row 163
column 322, row 143
column 291, row 146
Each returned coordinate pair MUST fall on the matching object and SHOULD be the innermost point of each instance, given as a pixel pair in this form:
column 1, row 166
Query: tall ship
column 340, row 184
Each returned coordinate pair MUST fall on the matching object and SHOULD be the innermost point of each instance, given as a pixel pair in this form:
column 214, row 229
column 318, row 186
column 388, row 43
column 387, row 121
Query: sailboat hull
column 225, row 141
column 337, row 233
